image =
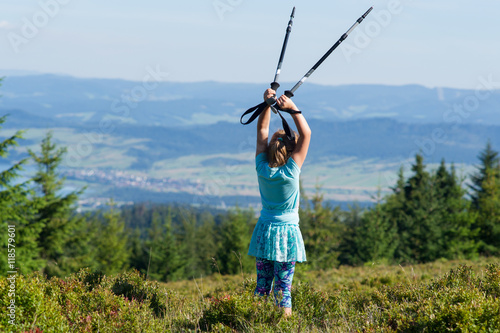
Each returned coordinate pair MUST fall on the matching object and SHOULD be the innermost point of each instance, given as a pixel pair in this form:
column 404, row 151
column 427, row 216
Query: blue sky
column 449, row 43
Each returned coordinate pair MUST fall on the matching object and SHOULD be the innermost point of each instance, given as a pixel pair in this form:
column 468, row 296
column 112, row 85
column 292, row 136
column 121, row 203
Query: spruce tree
column 206, row 243
column 457, row 221
column 322, row 230
column 139, row 254
column 488, row 221
column 163, row 249
column 61, row 242
column 374, row 237
column 486, row 201
column 234, row 231
column 420, row 232
column 188, row 247
column 488, row 159
column 109, row 240
column 17, row 209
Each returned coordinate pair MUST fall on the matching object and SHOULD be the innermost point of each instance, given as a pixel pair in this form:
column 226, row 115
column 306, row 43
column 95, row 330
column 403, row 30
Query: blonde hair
column 280, row 148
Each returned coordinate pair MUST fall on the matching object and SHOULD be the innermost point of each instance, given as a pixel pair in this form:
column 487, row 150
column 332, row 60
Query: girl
column 277, row 241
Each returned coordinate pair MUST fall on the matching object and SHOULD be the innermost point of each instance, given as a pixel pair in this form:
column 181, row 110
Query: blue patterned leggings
column 282, row 273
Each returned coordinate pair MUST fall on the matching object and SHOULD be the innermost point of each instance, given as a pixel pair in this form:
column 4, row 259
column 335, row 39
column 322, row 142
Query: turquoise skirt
column 277, row 237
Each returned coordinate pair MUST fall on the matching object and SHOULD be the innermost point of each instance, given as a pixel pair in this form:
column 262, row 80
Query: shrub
column 240, row 311
column 36, row 308
column 462, row 300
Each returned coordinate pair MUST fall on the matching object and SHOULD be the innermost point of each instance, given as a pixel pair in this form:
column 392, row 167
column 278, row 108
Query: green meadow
column 442, row 296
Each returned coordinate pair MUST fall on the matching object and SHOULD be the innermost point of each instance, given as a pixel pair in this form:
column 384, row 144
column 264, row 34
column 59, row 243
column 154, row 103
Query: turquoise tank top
column 277, row 234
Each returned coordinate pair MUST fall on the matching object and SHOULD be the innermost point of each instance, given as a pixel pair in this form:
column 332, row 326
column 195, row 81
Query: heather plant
column 437, row 297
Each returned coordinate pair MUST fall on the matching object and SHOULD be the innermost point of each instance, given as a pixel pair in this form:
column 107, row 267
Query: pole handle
column 271, row 101
column 275, row 85
column 289, row 94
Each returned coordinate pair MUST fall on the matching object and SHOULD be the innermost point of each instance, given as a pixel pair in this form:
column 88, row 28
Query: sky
column 446, row 43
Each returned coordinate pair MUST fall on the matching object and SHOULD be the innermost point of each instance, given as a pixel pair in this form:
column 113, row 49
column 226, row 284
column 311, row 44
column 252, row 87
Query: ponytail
column 280, row 149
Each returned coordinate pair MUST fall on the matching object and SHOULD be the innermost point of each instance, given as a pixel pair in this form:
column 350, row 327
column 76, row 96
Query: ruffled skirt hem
column 280, row 242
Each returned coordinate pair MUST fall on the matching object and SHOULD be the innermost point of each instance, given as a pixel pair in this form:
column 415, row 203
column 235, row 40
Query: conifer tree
column 188, row 248
column 162, row 248
column 373, row 238
column 17, row 209
column 457, row 220
column 488, row 221
column 420, row 232
column 486, row 200
column 489, row 159
column 109, row 241
column 61, row 242
column 322, row 231
column 139, row 254
column 234, row 231
column 206, row 248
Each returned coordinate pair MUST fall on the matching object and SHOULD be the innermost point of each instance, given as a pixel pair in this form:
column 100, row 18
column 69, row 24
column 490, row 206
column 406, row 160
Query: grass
column 456, row 296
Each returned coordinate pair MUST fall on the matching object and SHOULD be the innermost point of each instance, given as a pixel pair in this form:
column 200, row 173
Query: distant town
column 122, row 179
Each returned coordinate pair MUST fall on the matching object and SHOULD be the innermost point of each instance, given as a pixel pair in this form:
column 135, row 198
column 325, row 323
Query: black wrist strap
column 288, row 131
column 257, row 110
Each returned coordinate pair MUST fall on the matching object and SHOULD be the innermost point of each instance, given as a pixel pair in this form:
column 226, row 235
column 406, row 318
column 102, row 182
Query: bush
column 36, row 306
column 88, row 302
column 241, row 311
column 459, row 301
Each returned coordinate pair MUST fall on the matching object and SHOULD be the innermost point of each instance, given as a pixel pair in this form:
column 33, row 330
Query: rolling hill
column 186, row 137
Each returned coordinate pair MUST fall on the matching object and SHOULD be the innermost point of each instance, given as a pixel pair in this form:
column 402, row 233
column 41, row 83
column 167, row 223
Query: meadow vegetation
column 395, row 266
column 457, row 296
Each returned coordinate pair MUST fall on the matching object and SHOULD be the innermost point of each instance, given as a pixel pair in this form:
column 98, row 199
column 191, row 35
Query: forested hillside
column 428, row 216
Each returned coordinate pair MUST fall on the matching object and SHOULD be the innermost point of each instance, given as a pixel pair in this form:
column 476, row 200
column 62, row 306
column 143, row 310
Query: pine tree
column 485, row 201
column 394, row 208
column 62, row 245
column 16, row 208
column 139, row 258
column 489, row 160
column 373, row 238
column 163, row 249
column 488, row 221
column 188, row 247
column 109, row 239
column 457, row 221
column 322, row 231
column 234, row 231
column 206, row 243
column 420, row 232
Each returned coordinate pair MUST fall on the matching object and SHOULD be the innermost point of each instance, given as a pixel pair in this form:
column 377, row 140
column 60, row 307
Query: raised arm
column 263, row 125
column 300, row 152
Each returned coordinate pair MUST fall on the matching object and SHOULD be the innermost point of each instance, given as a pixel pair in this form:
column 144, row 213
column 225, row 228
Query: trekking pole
column 274, row 85
column 289, row 93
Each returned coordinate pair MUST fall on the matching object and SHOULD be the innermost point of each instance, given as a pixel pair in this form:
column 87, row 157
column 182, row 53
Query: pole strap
column 257, row 110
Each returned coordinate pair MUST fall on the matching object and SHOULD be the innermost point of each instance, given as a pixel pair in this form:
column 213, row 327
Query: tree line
column 429, row 215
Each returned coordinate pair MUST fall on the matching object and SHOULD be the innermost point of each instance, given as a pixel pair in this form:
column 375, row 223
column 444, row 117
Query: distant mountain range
column 176, row 120
column 69, row 100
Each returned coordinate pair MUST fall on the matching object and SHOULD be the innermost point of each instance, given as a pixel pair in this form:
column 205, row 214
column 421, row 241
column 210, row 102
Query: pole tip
column 293, row 12
column 367, row 12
